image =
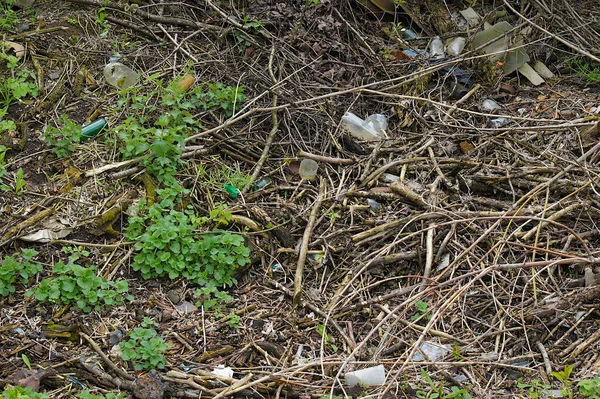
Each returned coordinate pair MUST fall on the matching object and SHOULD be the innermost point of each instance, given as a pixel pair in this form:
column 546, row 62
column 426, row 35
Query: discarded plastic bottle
column 92, row 129
column 436, row 49
column 456, row 46
column 263, row 183
column 308, row 169
column 372, row 128
column 119, row 75
column 408, row 34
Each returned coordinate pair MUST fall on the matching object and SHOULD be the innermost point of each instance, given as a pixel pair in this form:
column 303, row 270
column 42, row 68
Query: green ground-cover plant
column 15, row 392
column 8, row 17
column 63, row 139
column 144, row 347
column 17, row 85
column 71, row 283
column 437, row 391
column 161, row 119
column 110, row 395
column 18, row 269
column 587, row 70
column 168, row 247
column 590, row 388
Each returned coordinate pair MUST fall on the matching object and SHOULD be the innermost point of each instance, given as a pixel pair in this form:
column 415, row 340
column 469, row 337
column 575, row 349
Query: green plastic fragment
column 232, row 191
column 92, row 129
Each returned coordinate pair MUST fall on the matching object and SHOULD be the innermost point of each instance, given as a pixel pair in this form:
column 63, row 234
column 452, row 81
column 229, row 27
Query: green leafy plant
column 8, row 17
column 212, row 299
column 233, row 320
column 436, row 390
column 78, row 285
column 167, row 246
column 534, row 388
column 18, row 270
column 110, row 395
column 327, row 338
column 589, row 71
column 63, row 139
column 590, row 388
column 144, row 347
column 422, row 311
column 22, row 393
column 17, row 85
column 563, row 376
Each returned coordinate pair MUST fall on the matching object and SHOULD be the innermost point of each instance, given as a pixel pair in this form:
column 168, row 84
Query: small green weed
column 16, row 86
column 18, row 270
column 63, row 139
column 590, row 388
column 326, row 337
column 19, row 184
column 563, row 377
column 22, row 393
column 436, row 391
column 589, row 71
column 110, row 395
column 144, row 347
column 8, row 17
column 534, row 388
column 168, row 248
column 78, row 285
column 422, row 311
column 233, row 320
column 212, row 299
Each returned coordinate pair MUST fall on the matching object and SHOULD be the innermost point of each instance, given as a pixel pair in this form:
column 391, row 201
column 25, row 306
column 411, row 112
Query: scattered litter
column 432, row 350
column 375, row 206
column 17, row 48
column 490, row 105
column 473, row 19
column 531, row 75
column 277, row 267
column 389, row 178
column 543, row 70
column 455, row 46
column 232, row 191
column 367, row 377
column 372, row 128
column 119, row 75
column 115, row 337
column 436, row 48
column 223, row 371
column 262, row 183
column 92, row 129
column 444, row 262
column 308, row 169
column 408, row 34
column 46, row 235
column 499, row 122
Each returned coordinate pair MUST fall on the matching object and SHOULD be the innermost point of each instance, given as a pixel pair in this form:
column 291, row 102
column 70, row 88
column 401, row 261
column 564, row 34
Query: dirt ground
column 459, row 250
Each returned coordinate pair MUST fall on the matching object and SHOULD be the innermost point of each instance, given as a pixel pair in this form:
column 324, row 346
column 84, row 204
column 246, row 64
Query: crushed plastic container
column 499, row 122
column 490, row 105
column 372, row 128
column 119, row 75
column 436, row 48
column 308, row 169
column 456, row 46
column 432, row 350
column 368, row 377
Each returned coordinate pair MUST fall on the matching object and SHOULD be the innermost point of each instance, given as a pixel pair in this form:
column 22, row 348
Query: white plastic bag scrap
column 368, row 377
column 223, row 371
column 432, row 350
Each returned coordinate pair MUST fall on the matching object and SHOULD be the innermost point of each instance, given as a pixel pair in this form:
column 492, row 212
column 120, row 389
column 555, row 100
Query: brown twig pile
column 478, row 241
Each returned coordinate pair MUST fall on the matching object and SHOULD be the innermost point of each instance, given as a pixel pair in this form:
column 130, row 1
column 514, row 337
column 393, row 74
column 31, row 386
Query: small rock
column 186, row 307
column 149, row 386
column 174, row 296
